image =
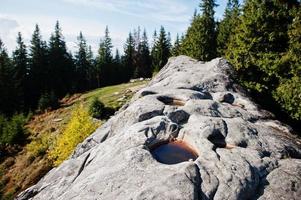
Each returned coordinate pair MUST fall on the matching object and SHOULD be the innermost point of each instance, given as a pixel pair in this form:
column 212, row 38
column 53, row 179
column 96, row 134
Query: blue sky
column 91, row 17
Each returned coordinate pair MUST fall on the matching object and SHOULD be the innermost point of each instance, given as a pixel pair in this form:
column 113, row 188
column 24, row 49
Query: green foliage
column 97, row 109
column 79, row 127
column 129, row 53
column 161, row 50
column 200, row 39
column 142, row 59
column 288, row 94
column 40, row 146
column 20, row 63
column 83, row 65
column 259, row 42
column 61, row 65
column 48, row 101
column 226, row 28
column 12, row 131
column 105, row 65
column 39, row 78
column 175, row 51
column 265, row 51
column 7, row 91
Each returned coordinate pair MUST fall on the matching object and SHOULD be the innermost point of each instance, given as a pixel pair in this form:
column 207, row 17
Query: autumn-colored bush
column 40, row 146
column 80, row 126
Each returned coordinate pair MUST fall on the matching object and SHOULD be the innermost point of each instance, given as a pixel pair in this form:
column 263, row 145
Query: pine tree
column 226, row 27
column 20, row 62
column 161, row 50
column 92, row 73
column 143, row 67
column 176, row 47
column 294, row 34
column 128, row 58
column 105, row 60
column 7, row 100
column 288, row 93
column 200, row 40
column 117, row 58
column 120, row 75
column 260, row 41
column 39, row 78
column 82, row 65
column 61, row 64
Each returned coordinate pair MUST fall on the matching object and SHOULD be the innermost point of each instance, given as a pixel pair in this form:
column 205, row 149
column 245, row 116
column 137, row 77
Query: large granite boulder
column 243, row 152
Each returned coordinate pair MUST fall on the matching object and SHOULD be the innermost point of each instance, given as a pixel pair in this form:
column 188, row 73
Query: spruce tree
column 226, row 27
column 161, row 50
column 39, row 73
column 200, row 40
column 175, row 51
column 154, row 50
column 128, row 58
column 92, row 75
column 117, row 58
column 82, row 65
column 105, row 60
column 120, row 75
column 20, row 62
column 61, row 64
column 7, row 100
column 259, row 43
column 288, row 93
column 143, row 68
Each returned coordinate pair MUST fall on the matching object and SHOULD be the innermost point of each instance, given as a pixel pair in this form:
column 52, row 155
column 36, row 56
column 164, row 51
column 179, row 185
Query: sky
column 92, row 16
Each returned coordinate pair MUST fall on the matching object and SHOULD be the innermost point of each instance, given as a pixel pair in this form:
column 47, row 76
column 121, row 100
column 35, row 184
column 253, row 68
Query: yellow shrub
column 40, row 146
column 79, row 127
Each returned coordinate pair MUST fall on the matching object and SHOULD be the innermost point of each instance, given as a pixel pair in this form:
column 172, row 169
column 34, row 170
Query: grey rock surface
column 244, row 153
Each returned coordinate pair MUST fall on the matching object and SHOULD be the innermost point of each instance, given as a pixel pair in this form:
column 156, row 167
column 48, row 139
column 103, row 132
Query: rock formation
column 243, row 152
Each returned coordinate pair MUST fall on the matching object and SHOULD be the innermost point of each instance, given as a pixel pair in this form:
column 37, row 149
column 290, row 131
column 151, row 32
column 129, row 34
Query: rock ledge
column 243, row 152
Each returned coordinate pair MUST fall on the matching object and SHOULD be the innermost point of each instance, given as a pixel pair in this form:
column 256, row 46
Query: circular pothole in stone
column 173, row 152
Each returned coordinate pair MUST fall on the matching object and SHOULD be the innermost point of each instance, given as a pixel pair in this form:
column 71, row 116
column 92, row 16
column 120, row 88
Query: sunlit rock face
column 229, row 148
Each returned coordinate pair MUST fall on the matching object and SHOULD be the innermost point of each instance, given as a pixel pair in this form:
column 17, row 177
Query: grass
column 30, row 164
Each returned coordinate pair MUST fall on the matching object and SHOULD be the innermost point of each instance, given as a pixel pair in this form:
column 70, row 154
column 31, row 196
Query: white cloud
column 171, row 13
column 155, row 10
column 10, row 25
column 9, row 29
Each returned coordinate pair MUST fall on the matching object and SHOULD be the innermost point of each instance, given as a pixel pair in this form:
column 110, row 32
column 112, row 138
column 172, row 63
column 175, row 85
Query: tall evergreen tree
column 288, row 93
column 128, row 58
column 161, row 50
column 117, row 58
column 153, row 49
column 20, row 62
column 175, row 51
column 200, row 40
column 82, row 65
column 39, row 78
column 105, row 60
column 7, row 100
column 143, row 67
column 226, row 27
column 120, row 75
column 260, row 41
column 92, row 74
column 61, row 64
